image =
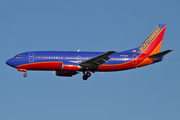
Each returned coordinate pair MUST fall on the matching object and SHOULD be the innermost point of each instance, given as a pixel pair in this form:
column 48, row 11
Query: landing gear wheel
column 85, row 77
column 88, row 74
column 25, row 74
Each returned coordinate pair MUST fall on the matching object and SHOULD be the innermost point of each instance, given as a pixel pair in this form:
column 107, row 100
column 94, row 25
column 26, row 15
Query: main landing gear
column 86, row 75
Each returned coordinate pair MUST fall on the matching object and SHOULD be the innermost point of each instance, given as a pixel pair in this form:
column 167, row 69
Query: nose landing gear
column 23, row 70
column 25, row 74
column 86, row 75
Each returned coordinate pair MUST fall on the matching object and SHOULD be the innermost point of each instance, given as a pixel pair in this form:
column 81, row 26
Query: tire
column 85, row 77
column 25, row 75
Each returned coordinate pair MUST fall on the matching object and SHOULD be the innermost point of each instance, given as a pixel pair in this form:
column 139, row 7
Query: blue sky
column 147, row 93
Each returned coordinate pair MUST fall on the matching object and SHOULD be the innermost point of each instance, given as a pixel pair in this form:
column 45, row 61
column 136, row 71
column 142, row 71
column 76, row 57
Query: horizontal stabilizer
column 160, row 54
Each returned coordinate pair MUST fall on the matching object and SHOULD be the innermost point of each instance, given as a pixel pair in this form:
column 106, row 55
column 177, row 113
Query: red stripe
column 42, row 66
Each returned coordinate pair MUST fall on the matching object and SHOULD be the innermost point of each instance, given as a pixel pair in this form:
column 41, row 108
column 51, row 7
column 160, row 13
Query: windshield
column 18, row 56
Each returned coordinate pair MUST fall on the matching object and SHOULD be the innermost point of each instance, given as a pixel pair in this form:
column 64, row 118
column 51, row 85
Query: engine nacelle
column 66, row 73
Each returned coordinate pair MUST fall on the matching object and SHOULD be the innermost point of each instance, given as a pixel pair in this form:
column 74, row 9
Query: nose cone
column 10, row 62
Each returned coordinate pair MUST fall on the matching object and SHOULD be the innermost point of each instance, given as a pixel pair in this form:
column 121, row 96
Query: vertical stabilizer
column 153, row 42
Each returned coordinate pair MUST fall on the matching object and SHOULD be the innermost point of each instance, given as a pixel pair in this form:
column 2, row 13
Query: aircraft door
column 79, row 58
column 31, row 57
column 134, row 56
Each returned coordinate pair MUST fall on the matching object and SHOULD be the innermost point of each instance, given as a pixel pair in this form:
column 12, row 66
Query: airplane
column 68, row 63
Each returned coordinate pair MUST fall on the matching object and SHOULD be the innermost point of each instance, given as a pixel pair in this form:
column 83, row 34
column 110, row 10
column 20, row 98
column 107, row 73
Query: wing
column 98, row 60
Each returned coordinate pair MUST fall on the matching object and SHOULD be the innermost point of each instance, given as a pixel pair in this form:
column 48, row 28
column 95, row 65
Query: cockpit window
column 18, row 56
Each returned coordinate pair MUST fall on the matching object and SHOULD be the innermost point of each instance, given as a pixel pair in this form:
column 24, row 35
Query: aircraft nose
column 10, row 62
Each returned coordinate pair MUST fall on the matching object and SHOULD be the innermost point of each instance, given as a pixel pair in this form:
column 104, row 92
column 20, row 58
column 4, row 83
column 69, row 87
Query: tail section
column 153, row 42
column 149, row 50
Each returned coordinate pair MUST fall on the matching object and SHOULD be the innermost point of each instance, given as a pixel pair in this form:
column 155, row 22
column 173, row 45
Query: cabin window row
column 51, row 57
column 55, row 57
column 119, row 59
column 48, row 57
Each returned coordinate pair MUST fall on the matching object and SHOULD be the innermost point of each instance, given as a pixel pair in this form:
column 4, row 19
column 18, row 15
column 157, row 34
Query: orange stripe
column 150, row 45
column 148, row 61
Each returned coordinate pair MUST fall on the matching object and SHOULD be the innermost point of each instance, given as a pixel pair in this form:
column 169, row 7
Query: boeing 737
column 71, row 63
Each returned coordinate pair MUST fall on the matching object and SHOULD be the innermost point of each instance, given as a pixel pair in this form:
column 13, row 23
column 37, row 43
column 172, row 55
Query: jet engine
column 66, row 73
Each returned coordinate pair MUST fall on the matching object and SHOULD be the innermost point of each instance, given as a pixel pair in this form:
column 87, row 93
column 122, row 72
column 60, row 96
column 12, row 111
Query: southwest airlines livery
column 71, row 63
